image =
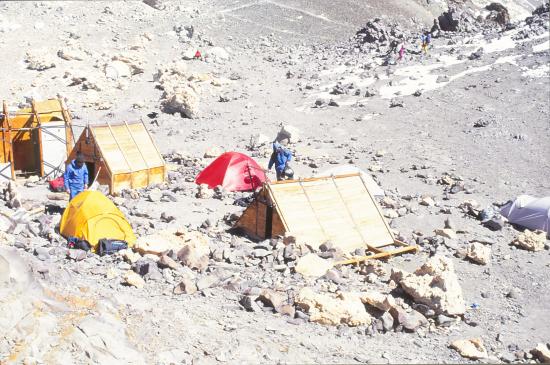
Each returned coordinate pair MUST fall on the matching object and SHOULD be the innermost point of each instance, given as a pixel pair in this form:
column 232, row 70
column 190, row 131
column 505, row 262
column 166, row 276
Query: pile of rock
column 376, row 31
column 180, row 95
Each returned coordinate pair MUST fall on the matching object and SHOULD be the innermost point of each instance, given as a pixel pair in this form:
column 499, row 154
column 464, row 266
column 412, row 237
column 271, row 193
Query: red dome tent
column 233, row 171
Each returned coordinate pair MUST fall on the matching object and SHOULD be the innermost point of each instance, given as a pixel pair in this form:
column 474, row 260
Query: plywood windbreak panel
column 110, row 150
column 363, row 209
column 339, row 210
column 147, row 146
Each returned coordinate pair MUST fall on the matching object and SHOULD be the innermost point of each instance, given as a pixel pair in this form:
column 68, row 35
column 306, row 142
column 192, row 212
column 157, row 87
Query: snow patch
column 508, row 59
column 541, row 71
column 543, row 47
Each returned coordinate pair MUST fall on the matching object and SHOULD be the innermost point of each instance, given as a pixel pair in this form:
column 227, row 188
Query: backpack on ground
column 108, row 246
column 57, row 185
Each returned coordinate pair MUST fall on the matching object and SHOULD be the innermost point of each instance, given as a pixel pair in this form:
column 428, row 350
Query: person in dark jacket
column 76, row 176
column 280, row 158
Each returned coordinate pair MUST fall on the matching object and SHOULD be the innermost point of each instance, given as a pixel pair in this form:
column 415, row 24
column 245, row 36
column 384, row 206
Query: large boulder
column 434, row 284
column 39, row 60
column 498, row 13
column 479, row 253
column 182, row 99
column 157, row 243
column 542, row 352
column 195, row 251
column 328, row 309
column 180, row 95
column 531, row 241
column 384, row 302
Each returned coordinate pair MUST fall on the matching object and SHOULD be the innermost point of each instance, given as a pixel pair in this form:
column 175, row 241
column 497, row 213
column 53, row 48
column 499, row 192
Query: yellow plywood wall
column 339, row 209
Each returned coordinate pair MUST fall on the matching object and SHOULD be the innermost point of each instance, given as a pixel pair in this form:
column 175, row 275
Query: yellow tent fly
column 92, row 216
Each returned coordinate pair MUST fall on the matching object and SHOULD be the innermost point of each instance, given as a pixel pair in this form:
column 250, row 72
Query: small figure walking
column 280, row 158
column 426, row 38
column 401, row 52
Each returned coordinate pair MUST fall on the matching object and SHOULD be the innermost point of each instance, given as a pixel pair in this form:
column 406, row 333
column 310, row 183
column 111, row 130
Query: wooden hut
column 35, row 140
column 339, row 209
column 122, row 155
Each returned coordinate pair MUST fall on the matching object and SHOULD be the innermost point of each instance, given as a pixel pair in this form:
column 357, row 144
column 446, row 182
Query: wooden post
column 40, row 156
column 378, row 255
column 9, row 151
column 69, row 134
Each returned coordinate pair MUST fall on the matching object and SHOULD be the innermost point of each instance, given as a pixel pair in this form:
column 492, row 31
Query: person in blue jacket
column 76, row 176
column 280, row 158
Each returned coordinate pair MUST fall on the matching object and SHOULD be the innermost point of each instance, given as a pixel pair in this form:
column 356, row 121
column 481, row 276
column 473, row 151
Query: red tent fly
column 233, row 171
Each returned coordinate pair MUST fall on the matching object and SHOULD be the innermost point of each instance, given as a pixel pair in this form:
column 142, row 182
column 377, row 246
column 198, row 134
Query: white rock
column 532, row 241
column 471, row 348
column 115, row 70
column 390, row 213
column 258, row 140
column 204, row 192
column 289, row 132
column 427, row 201
column 213, row 151
column 181, row 99
column 71, row 54
column 217, row 54
column 344, row 308
column 378, row 300
column 133, row 279
column 313, row 266
column 434, row 284
column 479, row 253
column 39, row 60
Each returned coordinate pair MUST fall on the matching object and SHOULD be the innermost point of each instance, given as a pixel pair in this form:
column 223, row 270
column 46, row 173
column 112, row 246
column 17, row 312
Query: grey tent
column 529, row 212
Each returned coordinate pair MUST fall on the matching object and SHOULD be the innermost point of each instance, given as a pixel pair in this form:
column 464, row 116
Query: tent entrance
column 54, row 147
column 26, row 153
column 91, row 172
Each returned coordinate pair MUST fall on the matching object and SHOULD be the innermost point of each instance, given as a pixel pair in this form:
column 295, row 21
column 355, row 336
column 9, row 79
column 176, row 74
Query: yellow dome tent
column 92, row 216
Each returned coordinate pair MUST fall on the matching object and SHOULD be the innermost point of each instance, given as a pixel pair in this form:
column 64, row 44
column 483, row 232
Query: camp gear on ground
column 233, row 171
column 92, row 216
column 57, row 185
column 280, row 157
column 107, row 246
column 289, row 173
column 75, row 178
column 125, row 152
column 529, row 212
column 77, row 243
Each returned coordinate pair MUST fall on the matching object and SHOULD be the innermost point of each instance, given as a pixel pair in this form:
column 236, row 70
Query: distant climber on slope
column 280, row 157
column 401, row 52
